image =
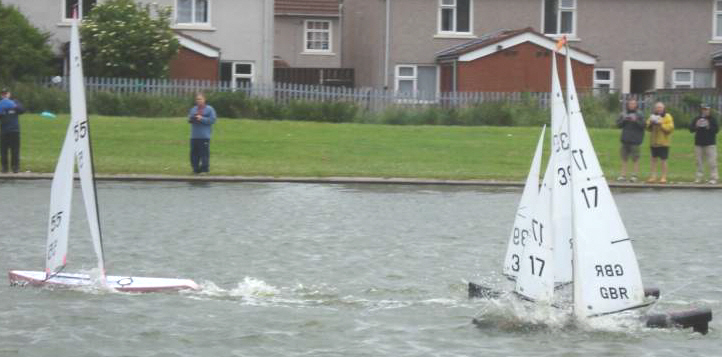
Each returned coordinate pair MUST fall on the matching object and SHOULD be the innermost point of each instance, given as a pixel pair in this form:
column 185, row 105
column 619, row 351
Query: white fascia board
column 519, row 39
column 198, row 47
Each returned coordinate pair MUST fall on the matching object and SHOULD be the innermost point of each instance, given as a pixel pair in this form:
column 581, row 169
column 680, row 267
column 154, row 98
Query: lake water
column 334, row 270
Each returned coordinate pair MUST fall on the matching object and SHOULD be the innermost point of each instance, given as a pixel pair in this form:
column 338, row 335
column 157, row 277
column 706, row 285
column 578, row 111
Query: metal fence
column 367, row 98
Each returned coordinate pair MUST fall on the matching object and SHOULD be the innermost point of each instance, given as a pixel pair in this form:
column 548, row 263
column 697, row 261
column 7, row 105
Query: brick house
column 508, row 61
column 196, row 59
column 641, row 45
column 308, row 43
column 220, row 39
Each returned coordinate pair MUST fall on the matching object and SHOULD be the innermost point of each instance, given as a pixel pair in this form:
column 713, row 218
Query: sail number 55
column 55, row 220
column 80, row 130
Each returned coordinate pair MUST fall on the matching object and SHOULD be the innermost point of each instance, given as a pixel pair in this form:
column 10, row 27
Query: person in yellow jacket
column 661, row 125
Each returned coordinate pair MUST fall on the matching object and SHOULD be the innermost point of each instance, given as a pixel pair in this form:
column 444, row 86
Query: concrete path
column 341, row 180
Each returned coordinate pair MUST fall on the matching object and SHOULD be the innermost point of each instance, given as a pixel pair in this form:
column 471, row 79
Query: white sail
column 520, row 233
column 535, row 280
column 81, row 137
column 61, row 192
column 606, row 274
column 561, row 221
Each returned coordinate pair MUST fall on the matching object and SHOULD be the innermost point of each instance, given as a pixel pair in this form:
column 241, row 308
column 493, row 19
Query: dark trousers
column 10, row 142
column 200, row 155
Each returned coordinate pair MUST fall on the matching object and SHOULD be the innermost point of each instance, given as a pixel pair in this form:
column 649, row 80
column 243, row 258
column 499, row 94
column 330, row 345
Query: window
column 559, row 17
column 603, row 79
column 704, row 78
column 242, row 74
column 192, row 11
column 83, row 7
column 406, row 80
column 717, row 20
column 455, row 16
column 682, row 78
column 416, row 81
column 317, row 36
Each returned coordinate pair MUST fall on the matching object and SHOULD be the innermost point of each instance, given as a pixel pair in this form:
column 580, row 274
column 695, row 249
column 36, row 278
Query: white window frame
column 193, row 12
column 716, row 11
column 80, row 10
column 454, row 6
column 414, row 78
column 683, row 84
column 413, row 97
column 609, row 81
column 306, row 30
column 235, row 75
column 559, row 10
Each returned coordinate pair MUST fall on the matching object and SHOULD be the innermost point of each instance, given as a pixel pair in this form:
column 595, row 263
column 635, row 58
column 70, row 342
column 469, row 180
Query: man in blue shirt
column 201, row 117
column 9, row 131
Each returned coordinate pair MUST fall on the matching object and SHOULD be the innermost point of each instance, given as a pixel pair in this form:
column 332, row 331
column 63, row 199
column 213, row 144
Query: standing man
column 632, row 123
column 705, row 128
column 9, row 131
column 201, row 117
column 661, row 126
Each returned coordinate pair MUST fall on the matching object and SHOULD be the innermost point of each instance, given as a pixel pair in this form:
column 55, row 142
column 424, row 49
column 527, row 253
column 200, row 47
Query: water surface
column 333, row 270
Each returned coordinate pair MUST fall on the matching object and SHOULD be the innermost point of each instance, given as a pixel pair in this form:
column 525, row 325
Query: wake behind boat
column 77, row 151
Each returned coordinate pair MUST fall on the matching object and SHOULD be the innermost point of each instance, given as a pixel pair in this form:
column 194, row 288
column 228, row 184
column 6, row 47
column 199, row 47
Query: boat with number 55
column 77, row 151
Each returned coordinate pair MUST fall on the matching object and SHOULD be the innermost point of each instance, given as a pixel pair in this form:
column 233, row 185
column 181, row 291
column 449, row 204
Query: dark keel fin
column 697, row 319
column 653, row 292
column 477, row 291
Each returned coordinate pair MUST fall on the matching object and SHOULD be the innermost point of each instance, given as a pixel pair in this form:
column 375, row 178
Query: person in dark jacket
column 705, row 128
column 631, row 121
column 9, row 131
column 201, row 117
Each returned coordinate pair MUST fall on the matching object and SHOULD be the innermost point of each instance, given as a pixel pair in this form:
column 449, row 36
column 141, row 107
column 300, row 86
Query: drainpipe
column 267, row 46
column 340, row 30
column 453, row 76
column 388, row 44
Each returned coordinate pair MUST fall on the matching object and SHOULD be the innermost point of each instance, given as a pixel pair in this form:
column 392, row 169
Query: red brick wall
column 447, row 78
column 192, row 65
column 522, row 68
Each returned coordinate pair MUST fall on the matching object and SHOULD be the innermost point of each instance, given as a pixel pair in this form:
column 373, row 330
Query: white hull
column 120, row 283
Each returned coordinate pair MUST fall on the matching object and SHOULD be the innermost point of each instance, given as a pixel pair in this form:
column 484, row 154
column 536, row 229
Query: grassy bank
column 291, row 148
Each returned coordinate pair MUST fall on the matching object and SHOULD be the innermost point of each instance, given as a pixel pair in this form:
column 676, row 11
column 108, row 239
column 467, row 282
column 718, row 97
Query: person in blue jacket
column 9, row 131
column 201, row 117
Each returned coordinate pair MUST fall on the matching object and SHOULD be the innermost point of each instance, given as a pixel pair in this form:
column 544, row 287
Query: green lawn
column 304, row 149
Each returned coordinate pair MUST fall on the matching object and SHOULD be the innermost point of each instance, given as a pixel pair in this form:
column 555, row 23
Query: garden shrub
column 599, row 111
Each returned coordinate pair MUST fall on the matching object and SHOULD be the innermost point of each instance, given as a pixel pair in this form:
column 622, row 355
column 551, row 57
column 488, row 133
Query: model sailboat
column 587, row 244
column 78, row 151
column 606, row 275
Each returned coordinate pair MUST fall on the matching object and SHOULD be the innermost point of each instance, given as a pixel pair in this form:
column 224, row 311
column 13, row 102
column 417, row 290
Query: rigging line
column 625, row 309
column 662, row 296
column 48, row 277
